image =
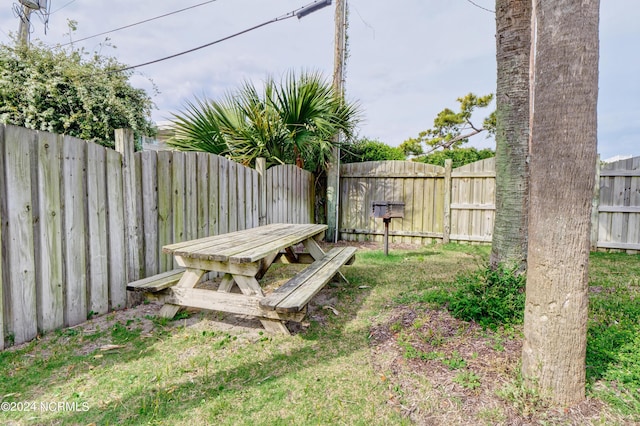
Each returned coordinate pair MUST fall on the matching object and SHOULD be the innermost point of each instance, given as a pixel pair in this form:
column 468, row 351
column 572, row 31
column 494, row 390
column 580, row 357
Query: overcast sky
column 408, row 59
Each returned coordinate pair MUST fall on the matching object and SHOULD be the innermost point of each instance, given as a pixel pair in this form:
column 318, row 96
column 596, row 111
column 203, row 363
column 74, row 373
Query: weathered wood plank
column 98, row 278
column 74, row 230
column 620, row 209
column 178, row 196
column 256, row 199
column 226, row 302
column 616, row 172
column 116, row 233
column 214, row 200
column 291, row 238
column 224, row 241
column 189, row 278
column 261, row 169
column 369, row 232
column 21, row 292
column 49, row 256
column 191, row 196
column 232, row 197
column 165, row 210
column 223, row 196
column 251, row 197
column 149, row 198
column 125, row 146
column 3, row 197
column 157, row 282
column 298, row 291
column 203, row 194
column 618, row 245
column 241, row 196
column 242, row 245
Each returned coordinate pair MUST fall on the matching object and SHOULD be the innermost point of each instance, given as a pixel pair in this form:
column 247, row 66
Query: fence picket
column 202, row 189
column 75, row 231
column 149, row 202
column 3, row 197
column 21, row 310
column 115, row 222
column 49, row 256
column 191, row 196
column 97, row 292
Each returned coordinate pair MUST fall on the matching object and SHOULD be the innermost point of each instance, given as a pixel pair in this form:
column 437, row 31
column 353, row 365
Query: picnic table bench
column 242, row 258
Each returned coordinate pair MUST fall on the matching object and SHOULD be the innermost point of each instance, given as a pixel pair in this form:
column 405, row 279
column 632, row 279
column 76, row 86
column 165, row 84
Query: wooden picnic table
column 242, row 258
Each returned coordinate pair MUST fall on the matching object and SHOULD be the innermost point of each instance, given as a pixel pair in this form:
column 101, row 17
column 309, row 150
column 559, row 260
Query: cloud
column 407, row 60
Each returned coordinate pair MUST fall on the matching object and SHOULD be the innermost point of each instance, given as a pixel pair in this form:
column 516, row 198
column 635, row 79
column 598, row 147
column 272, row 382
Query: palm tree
column 293, row 122
column 562, row 160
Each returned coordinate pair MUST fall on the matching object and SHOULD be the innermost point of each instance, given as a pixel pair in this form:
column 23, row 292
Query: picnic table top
column 248, row 245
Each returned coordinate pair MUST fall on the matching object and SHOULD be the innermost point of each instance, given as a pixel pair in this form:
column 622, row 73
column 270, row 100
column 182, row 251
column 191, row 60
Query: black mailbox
column 387, row 209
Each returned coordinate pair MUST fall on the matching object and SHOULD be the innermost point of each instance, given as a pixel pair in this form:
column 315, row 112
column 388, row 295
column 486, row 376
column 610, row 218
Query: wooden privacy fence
column 616, row 212
column 444, row 204
column 440, row 203
column 78, row 221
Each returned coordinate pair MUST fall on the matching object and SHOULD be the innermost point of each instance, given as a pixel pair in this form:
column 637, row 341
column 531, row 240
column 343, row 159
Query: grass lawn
column 381, row 351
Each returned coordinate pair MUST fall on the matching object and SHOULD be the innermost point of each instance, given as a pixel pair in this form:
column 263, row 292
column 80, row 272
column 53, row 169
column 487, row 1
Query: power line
column 139, row 22
column 62, row 7
column 280, row 18
column 481, row 7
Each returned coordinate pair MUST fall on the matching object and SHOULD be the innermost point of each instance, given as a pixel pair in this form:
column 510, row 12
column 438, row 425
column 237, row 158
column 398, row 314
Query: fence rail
column 78, row 221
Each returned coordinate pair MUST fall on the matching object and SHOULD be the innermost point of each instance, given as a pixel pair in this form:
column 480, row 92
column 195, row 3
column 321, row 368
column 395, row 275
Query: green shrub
column 370, row 150
column 459, row 156
column 489, row 297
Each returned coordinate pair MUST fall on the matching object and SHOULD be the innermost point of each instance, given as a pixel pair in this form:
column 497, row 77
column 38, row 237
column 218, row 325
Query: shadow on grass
column 171, row 401
column 39, row 365
column 140, row 403
column 214, row 392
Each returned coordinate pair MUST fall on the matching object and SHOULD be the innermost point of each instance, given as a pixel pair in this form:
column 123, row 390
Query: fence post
column 448, row 165
column 333, row 191
column 2, row 254
column 261, row 168
column 1, row 260
column 595, row 207
column 125, row 146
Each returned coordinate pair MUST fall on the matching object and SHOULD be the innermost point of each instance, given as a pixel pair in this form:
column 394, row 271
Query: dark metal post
column 386, row 221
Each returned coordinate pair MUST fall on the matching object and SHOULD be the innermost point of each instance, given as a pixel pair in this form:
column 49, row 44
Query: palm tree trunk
column 513, row 46
column 563, row 157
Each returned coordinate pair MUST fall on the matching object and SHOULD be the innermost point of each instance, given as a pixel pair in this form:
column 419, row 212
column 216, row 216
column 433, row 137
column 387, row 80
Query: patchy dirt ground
column 439, row 370
column 444, row 371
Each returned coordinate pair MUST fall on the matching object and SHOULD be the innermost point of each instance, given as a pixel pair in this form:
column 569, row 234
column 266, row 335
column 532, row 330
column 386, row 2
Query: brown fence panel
column 289, row 195
column 618, row 218
column 420, row 186
column 473, row 201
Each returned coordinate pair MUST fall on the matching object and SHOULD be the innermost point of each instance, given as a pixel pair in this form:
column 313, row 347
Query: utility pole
column 333, row 171
column 25, row 26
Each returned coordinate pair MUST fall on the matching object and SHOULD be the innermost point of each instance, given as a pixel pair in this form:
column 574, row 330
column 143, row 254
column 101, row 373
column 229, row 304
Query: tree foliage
column 452, row 129
column 459, row 156
column 69, row 91
column 294, row 121
column 370, row 150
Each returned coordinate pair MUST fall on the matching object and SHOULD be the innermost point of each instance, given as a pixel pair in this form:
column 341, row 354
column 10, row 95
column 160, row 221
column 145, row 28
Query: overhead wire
column 63, row 6
column 184, row 52
column 481, row 7
column 139, row 22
